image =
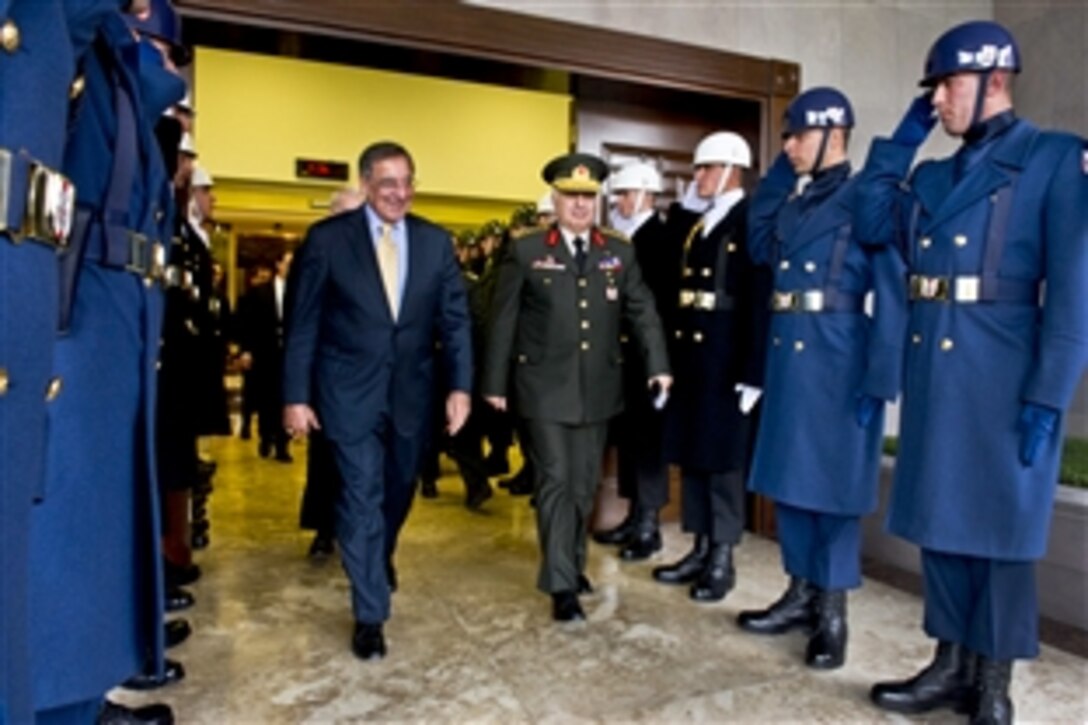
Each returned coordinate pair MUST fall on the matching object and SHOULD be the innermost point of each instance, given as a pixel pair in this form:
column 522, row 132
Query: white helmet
column 186, row 146
column 201, row 178
column 545, row 205
column 724, row 147
column 637, row 176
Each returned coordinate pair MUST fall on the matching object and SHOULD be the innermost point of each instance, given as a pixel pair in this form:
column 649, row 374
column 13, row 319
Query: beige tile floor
column 472, row 641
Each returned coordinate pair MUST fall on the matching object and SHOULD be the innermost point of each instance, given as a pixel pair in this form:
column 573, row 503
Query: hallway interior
column 472, row 640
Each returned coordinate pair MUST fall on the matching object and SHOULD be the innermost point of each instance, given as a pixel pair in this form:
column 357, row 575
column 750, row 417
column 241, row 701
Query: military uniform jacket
column 960, row 486
column 810, row 452
column 716, row 348
column 557, row 333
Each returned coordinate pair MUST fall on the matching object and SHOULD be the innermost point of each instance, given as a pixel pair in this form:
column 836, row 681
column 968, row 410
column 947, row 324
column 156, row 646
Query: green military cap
column 576, row 173
column 523, row 216
column 466, row 238
column 493, row 228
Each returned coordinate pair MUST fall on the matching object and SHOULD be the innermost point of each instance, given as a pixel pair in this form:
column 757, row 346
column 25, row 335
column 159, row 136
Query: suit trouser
column 377, row 475
column 713, row 505
column 643, row 471
column 821, row 548
column 567, row 466
column 987, row 605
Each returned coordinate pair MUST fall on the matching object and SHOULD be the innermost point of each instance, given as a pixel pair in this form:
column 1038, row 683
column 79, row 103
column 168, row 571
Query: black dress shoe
column 479, row 493
column 176, row 631
column 642, row 545
column 322, row 546
column 497, row 464
column 428, row 488
column 717, row 578
column 584, row 587
column 991, row 704
column 947, row 681
column 284, row 457
column 180, row 576
column 793, row 610
column 827, row 647
column 200, row 541
column 520, row 485
column 264, row 449
column 565, row 607
column 617, row 535
column 178, row 599
column 368, row 642
column 688, row 568
column 172, row 672
column 115, row 714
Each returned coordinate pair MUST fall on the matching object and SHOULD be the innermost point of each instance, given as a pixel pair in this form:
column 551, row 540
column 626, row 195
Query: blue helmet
column 162, row 22
column 979, row 46
column 822, row 107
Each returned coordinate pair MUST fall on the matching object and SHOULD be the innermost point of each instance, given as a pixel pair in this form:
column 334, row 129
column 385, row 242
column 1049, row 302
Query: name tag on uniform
column 611, row 293
column 548, row 263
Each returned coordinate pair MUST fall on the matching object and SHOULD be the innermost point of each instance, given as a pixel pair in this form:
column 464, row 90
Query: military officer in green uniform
column 554, row 356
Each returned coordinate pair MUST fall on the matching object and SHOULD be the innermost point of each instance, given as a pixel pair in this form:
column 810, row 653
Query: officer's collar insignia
column 552, row 237
column 597, row 237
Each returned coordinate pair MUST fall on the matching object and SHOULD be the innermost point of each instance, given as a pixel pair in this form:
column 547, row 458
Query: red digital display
column 316, row 169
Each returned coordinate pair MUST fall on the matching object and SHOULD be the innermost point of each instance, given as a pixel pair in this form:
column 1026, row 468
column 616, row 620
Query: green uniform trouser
column 567, row 467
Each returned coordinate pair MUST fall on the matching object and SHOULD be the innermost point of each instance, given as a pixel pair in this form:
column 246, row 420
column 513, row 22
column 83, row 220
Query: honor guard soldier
column 829, row 370
column 554, row 349
column 992, row 363
column 36, row 202
column 643, row 470
column 719, row 332
column 96, row 588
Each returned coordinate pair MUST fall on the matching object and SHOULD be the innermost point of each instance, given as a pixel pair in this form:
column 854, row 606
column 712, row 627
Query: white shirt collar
column 720, row 207
column 569, row 237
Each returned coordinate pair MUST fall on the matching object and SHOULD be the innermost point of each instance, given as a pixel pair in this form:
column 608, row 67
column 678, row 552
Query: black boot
column 945, row 682
column 992, row 704
column 827, row 647
column 794, row 610
column 687, row 569
column 645, row 539
column 618, row 535
column 717, row 578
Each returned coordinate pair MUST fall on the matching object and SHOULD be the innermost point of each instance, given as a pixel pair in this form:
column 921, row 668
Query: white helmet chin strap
column 638, row 202
column 726, row 173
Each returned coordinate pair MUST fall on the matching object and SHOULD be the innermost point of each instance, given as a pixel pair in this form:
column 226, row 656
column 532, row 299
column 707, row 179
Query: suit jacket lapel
column 415, row 260
column 362, row 244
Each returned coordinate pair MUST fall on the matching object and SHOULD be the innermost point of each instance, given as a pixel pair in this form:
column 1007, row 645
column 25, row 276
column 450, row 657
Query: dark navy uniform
column 96, row 592
column 34, row 97
column 719, row 333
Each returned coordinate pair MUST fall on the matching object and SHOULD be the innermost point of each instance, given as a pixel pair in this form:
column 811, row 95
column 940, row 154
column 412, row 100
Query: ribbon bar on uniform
column 36, row 202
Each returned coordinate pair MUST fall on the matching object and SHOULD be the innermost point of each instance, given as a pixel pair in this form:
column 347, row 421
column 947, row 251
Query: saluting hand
column 299, row 419
column 458, row 406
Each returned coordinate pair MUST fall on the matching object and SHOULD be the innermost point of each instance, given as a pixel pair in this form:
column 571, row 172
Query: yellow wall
column 256, row 114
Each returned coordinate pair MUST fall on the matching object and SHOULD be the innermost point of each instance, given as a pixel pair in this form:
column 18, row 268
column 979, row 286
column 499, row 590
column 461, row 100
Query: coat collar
column 832, row 213
column 942, row 200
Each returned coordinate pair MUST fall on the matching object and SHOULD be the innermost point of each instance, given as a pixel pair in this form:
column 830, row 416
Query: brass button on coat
column 799, row 345
column 698, row 337
column 960, row 240
column 53, row 390
column 916, row 339
column 947, row 344
column 784, row 265
column 9, row 36
column 5, row 381
column 925, row 242
column 585, row 344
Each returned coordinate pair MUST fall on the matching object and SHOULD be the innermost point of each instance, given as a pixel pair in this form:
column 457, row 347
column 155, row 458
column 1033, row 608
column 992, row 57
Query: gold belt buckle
column 934, row 289
column 138, row 254
column 50, row 205
column 812, row 300
column 782, row 301
column 704, row 300
column 687, row 298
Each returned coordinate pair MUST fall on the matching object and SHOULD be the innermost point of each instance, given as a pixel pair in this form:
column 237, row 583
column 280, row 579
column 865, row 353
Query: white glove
column 749, row 396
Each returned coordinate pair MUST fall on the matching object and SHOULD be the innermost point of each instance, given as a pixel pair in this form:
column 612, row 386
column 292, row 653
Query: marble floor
column 472, row 640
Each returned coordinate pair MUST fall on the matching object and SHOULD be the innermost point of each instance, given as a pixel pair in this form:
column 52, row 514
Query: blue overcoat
column 96, row 589
column 43, row 42
column 959, row 484
column 810, row 452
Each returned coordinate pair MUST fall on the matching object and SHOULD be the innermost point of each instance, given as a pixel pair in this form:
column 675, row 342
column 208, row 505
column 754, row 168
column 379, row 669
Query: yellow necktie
column 387, row 262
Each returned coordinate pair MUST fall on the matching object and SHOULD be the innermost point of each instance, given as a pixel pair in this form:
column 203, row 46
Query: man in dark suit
column 261, row 341
column 562, row 295
column 370, row 292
